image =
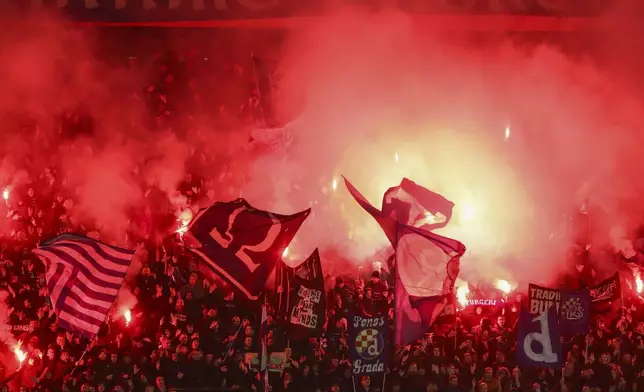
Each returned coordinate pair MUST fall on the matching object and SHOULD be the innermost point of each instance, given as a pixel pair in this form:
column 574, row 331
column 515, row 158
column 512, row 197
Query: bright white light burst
column 461, row 295
column 504, row 286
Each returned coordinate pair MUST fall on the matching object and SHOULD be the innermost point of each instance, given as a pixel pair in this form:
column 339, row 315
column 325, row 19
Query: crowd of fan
column 189, row 331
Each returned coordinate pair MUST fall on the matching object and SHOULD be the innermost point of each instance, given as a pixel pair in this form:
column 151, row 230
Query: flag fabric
column 574, row 311
column 425, row 275
column 264, row 74
column 416, row 315
column 607, row 290
column 541, row 298
column 263, row 332
column 84, row 277
column 241, row 243
column 390, row 225
column 307, row 299
column 414, row 205
column 427, row 266
column 539, row 340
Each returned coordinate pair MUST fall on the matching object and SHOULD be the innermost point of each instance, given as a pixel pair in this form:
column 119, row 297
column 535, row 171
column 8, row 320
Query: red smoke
column 386, row 99
column 376, row 98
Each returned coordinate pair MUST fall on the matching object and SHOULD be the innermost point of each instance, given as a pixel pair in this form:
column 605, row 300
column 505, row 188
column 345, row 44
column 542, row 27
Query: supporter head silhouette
column 365, row 382
column 160, row 383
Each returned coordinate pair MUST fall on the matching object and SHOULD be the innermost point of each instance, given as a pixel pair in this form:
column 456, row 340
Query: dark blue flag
column 240, row 243
column 574, row 311
column 538, row 340
column 307, row 299
column 368, row 344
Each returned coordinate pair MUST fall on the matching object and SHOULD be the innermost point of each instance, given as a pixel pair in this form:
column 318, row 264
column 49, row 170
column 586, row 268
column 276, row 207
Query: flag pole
column 259, row 91
column 288, row 305
column 621, row 291
column 230, row 345
column 89, row 345
column 279, row 280
column 265, row 350
column 396, row 283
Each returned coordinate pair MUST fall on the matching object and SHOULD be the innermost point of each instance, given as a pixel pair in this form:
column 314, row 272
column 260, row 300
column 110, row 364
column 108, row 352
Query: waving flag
column 427, row 265
column 84, row 277
column 241, row 243
column 426, row 270
column 411, row 204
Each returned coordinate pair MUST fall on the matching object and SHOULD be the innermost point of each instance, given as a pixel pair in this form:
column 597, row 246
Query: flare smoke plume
column 385, row 99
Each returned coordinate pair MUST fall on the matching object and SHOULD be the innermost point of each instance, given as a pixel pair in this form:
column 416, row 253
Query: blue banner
column 539, row 340
column 368, row 344
column 149, row 11
column 574, row 311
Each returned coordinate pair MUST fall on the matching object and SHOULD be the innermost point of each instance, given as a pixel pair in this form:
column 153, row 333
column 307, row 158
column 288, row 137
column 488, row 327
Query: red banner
column 464, row 14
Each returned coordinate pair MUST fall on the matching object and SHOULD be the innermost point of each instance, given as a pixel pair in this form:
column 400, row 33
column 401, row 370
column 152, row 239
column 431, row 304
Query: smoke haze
column 384, row 99
column 387, row 100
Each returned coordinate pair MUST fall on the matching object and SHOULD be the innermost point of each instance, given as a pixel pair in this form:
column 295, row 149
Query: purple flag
column 538, row 340
column 412, row 204
column 427, row 265
column 574, row 311
column 241, row 243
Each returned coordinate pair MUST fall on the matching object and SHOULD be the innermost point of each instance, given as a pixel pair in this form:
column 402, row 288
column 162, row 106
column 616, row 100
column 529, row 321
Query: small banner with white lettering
column 542, row 298
column 368, row 344
column 307, row 300
column 607, row 290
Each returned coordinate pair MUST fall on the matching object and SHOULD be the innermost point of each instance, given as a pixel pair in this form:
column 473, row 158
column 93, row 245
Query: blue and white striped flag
column 84, row 277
